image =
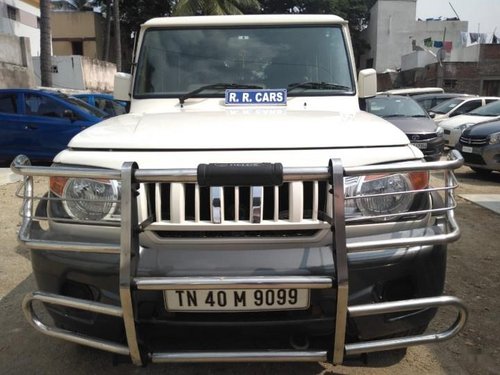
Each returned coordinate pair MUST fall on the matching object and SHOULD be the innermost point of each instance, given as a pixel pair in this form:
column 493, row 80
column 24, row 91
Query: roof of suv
column 259, row 19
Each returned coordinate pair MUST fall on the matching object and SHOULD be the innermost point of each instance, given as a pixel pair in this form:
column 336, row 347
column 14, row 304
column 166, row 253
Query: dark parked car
column 407, row 115
column 427, row 101
column 480, row 146
column 104, row 102
column 40, row 123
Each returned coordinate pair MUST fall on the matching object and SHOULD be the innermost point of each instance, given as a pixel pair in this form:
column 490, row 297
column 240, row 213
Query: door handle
column 31, row 127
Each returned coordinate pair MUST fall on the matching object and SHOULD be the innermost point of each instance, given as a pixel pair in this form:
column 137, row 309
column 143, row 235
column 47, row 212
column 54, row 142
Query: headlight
column 439, row 131
column 88, row 199
column 383, row 195
column 464, row 126
column 494, row 138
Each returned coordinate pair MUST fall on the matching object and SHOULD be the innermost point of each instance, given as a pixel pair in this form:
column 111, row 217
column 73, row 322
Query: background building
column 393, row 31
column 22, row 19
column 78, row 33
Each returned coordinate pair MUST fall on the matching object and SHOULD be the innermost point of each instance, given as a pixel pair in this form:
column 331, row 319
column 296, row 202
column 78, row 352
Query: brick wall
column 466, row 77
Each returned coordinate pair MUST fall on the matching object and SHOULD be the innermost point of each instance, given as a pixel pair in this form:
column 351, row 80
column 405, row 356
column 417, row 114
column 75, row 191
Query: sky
column 484, row 14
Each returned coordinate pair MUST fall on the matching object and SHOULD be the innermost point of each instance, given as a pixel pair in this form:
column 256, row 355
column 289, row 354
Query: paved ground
column 7, row 177
column 489, row 201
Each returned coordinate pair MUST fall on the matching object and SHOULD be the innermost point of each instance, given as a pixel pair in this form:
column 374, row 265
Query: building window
column 449, row 83
column 77, row 48
column 12, row 13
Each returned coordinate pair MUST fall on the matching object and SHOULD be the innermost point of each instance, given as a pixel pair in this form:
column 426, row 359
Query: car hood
column 456, row 121
column 483, row 130
column 240, row 129
column 413, row 125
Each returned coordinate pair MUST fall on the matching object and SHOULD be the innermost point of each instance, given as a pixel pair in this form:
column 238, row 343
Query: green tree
column 214, row 7
column 357, row 12
column 133, row 13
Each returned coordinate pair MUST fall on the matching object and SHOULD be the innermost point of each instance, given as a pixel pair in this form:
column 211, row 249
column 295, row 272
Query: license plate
column 467, row 149
column 236, row 299
column 422, row 146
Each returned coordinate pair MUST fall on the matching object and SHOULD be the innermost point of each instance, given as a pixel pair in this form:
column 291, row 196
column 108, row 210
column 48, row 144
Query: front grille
column 421, row 137
column 471, row 141
column 188, row 210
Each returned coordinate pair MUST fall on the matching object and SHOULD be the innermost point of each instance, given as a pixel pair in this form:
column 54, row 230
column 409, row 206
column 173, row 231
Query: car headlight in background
column 494, row 138
column 88, row 199
column 464, row 126
column 383, row 195
column 439, row 131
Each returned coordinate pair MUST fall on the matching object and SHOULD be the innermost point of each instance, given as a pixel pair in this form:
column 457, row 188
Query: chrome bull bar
column 128, row 249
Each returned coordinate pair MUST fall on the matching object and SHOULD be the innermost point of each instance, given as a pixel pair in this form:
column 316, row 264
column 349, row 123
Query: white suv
column 245, row 209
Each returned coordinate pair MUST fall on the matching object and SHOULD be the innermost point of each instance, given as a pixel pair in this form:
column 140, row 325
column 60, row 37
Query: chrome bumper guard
column 128, row 249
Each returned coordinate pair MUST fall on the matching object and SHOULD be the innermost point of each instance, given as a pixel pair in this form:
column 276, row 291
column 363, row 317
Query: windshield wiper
column 216, row 86
column 317, row 86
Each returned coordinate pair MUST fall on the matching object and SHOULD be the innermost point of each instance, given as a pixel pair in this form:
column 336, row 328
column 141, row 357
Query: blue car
column 104, row 102
column 40, row 123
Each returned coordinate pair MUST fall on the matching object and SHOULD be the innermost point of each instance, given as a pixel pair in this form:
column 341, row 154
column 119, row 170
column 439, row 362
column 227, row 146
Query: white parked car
column 458, row 106
column 453, row 127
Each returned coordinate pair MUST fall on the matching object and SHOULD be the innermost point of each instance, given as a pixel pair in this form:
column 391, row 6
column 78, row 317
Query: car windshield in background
column 446, row 106
column 491, row 109
column 173, row 62
column 395, row 107
column 87, row 108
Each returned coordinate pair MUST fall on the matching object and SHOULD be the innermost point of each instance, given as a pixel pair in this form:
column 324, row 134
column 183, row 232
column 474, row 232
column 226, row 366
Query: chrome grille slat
column 276, row 213
column 296, row 201
column 281, row 205
column 177, row 203
column 236, row 204
column 473, row 141
column 158, row 214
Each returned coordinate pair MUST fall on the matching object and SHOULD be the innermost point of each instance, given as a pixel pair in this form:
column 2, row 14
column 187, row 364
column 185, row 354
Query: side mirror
column 122, row 86
column 367, row 83
column 432, row 114
column 69, row 114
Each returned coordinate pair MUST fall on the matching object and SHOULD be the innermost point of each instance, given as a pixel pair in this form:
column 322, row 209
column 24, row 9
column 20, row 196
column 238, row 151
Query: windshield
column 446, row 106
column 395, row 107
column 491, row 109
column 173, row 62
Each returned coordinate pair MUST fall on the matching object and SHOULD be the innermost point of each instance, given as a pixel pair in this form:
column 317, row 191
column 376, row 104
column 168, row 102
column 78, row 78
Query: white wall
column 393, row 32
column 26, row 26
column 395, row 27
column 417, row 59
column 467, row 54
column 69, row 72
column 79, row 73
column 16, row 69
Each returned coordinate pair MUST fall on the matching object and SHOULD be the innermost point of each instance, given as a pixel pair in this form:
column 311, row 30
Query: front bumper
column 483, row 157
column 362, row 287
column 433, row 148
